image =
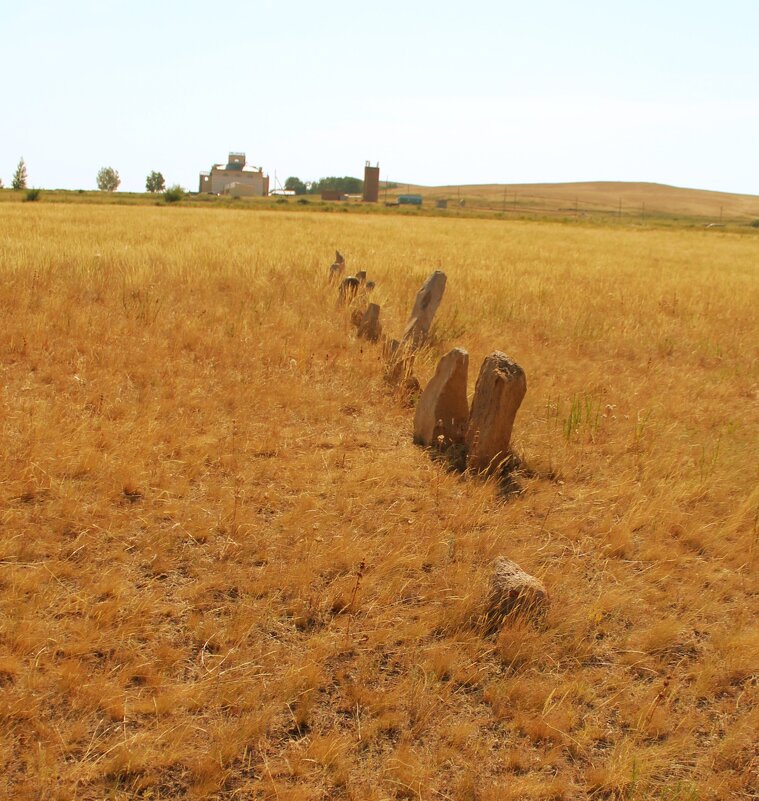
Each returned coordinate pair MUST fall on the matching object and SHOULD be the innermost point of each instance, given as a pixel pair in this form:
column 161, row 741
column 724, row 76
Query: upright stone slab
column 426, row 304
column 337, row 268
column 399, row 361
column 500, row 388
column 370, row 327
column 348, row 289
column 442, row 408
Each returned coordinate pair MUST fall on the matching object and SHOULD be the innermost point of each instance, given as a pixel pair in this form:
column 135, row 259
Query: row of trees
column 108, row 180
column 345, row 185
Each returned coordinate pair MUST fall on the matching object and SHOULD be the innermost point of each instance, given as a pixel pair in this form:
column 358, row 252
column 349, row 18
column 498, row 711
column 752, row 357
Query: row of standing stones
column 443, row 420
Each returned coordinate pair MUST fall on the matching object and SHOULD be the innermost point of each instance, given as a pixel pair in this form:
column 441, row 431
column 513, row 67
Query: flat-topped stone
column 442, row 409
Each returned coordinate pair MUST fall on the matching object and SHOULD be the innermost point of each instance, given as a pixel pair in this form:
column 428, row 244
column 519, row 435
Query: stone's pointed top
column 426, row 304
column 339, row 258
column 501, row 386
column 442, row 409
column 512, row 591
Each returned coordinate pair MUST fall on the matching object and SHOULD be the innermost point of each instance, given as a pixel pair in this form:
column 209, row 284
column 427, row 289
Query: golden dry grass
column 197, row 458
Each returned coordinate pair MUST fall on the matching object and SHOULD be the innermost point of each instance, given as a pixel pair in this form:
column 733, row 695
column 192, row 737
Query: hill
column 594, row 197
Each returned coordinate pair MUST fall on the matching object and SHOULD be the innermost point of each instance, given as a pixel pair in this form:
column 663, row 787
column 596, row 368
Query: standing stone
column 512, row 591
column 442, row 408
column 500, row 388
column 399, row 361
column 348, row 289
column 370, row 327
column 426, row 304
column 361, row 275
column 337, row 268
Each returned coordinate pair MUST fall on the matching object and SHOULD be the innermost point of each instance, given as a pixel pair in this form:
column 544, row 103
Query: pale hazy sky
column 437, row 92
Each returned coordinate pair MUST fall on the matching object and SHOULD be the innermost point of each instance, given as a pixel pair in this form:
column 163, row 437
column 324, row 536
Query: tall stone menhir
column 500, row 388
column 426, row 304
column 442, row 408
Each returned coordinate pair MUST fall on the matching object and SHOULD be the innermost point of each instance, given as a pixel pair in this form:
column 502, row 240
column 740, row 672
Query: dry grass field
column 227, row 573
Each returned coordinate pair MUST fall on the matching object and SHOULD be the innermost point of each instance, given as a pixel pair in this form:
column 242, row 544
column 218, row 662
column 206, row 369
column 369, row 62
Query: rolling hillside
column 598, row 196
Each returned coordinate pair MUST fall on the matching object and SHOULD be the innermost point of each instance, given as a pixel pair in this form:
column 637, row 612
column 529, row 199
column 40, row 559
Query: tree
column 108, row 179
column 346, row 185
column 155, row 182
column 19, row 177
column 296, row 185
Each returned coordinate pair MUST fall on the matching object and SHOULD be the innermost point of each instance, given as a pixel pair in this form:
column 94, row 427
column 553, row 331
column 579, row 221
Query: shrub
column 755, row 224
column 32, row 195
column 173, row 194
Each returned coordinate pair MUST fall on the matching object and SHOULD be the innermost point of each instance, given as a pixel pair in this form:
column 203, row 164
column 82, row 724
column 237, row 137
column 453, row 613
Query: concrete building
column 237, row 177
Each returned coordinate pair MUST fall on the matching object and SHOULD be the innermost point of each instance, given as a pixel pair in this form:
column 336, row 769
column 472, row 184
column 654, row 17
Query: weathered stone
column 370, row 327
column 426, row 304
column 512, row 592
column 399, row 361
column 370, row 286
column 443, row 409
column 501, row 386
column 348, row 289
column 337, row 268
column 361, row 275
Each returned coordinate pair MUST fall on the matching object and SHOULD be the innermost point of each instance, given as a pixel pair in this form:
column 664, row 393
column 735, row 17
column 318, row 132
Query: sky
column 435, row 92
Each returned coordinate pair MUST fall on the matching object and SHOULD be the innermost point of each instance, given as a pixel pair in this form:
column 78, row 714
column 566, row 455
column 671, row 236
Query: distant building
column 236, row 178
column 371, row 183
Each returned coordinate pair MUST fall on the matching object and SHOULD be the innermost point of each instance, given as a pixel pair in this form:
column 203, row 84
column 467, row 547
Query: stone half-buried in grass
column 442, row 410
column 369, row 326
column 512, row 592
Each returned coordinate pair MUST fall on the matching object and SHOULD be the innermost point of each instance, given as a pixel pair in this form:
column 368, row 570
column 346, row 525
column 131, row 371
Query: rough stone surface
column 337, row 268
column 512, row 591
column 501, row 386
column 348, row 289
column 361, row 275
column 370, row 327
column 426, row 304
column 443, row 409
